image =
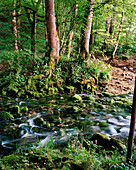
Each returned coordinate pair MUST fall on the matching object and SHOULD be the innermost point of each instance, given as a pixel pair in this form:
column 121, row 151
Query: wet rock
column 111, row 130
column 5, row 115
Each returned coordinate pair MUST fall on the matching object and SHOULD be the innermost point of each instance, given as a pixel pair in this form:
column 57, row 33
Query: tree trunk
column 108, row 25
column 33, row 33
column 118, row 38
column 132, row 128
column 18, row 12
column 96, row 25
column 72, row 23
column 86, row 32
column 112, row 22
column 15, row 26
column 92, row 35
column 53, row 41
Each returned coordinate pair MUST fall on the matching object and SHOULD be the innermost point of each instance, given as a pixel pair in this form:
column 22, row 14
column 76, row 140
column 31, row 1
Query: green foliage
column 25, row 73
column 76, row 155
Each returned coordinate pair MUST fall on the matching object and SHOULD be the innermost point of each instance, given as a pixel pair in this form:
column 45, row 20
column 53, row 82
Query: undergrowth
column 74, row 156
column 22, row 74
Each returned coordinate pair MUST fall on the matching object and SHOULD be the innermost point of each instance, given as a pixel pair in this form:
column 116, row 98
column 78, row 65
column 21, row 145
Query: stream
column 61, row 117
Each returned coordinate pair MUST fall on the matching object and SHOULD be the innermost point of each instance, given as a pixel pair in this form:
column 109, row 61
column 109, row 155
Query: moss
column 76, row 97
column 103, row 124
column 99, row 105
column 11, row 159
column 75, row 109
column 15, row 110
column 90, row 98
column 5, row 115
column 69, row 89
column 107, row 142
column 24, row 109
column 118, row 144
column 106, row 94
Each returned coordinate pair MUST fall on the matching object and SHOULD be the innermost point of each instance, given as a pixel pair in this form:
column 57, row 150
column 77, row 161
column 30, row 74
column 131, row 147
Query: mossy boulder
column 5, row 115
column 103, row 124
column 101, row 139
column 106, row 94
column 118, row 144
column 107, row 142
column 24, row 109
column 76, row 97
column 15, row 110
column 99, row 105
column 90, row 98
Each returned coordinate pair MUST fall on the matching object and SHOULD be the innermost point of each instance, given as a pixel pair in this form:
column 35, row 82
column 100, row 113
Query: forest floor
column 122, row 76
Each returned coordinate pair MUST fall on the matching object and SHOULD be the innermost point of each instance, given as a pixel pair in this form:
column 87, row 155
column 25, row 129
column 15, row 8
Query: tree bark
column 132, row 127
column 33, row 33
column 92, row 35
column 18, row 12
column 86, row 32
column 72, row 23
column 118, row 38
column 15, row 26
column 53, row 41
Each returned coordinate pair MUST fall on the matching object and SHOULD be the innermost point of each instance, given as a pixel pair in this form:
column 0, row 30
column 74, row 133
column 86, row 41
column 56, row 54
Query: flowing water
column 60, row 118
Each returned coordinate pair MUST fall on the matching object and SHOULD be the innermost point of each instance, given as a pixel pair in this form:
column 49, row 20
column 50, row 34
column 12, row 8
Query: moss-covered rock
column 118, row 144
column 5, row 115
column 15, row 110
column 107, row 142
column 103, row 124
column 106, row 94
column 99, row 105
column 76, row 97
column 101, row 139
column 24, row 109
column 90, row 98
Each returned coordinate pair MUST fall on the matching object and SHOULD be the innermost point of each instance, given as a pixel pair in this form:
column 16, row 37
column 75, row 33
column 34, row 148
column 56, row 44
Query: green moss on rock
column 5, row 115
column 76, row 97
column 15, row 110
column 107, row 142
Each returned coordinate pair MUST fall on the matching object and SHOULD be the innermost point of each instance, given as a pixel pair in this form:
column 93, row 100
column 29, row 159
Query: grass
column 74, row 155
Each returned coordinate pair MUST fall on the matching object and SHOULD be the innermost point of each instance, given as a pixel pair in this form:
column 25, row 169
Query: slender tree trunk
column 92, row 35
column 96, row 25
column 33, row 33
column 72, row 23
column 108, row 25
column 15, row 26
column 132, row 127
column 112, row 24
column 53, row 40
column 18, row 12
column 86, row 32
column 118, row 38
